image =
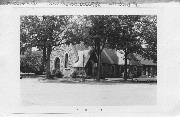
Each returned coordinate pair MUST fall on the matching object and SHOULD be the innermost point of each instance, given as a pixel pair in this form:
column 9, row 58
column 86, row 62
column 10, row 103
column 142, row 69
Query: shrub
column 74, row 74
column 53, row 71
column 58, row 74
column 31, row 63
column 78, row 74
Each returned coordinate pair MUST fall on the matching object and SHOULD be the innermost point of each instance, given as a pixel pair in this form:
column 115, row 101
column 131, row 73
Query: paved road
column 34, row 92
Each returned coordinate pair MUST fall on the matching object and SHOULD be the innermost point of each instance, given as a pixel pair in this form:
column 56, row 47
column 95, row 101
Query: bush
column 58, row 73
column 31, row 63
column 78, row 74
column 53, row 72
column 74, row 74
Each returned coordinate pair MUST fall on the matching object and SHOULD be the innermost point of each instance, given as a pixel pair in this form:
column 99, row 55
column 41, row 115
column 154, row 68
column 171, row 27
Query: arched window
column 57, row 63
column 66, row 60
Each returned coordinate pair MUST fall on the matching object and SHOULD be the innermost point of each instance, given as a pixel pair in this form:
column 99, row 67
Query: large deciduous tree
column 44, row 32
column 98, row 29
column 135, row 34
column 149, row 36
column 126, row 37
column 130, row 33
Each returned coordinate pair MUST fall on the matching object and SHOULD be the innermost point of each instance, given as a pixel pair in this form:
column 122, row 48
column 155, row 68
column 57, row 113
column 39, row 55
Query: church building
column 77, row 58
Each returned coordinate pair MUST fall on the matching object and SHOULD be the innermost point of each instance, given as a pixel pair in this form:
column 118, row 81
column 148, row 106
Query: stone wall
column 60, row 52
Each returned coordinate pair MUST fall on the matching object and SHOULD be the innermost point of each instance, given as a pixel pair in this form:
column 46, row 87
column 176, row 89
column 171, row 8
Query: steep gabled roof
column 109, row 56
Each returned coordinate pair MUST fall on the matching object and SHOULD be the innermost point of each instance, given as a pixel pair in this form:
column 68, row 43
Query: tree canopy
column 130, row 33
column 40, row 30
column 44, row 32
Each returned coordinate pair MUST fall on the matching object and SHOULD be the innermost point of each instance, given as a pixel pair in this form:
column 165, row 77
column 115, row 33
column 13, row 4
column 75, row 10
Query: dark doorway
column 57, row 63
column 90, row 68
column 66, row 60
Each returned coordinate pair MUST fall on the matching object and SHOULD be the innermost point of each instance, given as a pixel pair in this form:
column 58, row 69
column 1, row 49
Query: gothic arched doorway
column 90, row 68
column 57, row 63
column 66, row 61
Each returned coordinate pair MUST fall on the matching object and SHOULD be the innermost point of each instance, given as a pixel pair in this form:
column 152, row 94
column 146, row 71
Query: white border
column 167, row 95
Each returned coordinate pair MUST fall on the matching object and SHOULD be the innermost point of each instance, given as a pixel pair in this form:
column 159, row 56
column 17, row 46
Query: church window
column 66, row 60
column 57, row 63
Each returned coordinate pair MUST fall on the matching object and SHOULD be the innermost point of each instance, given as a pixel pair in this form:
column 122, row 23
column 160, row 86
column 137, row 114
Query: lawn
column 34, row 92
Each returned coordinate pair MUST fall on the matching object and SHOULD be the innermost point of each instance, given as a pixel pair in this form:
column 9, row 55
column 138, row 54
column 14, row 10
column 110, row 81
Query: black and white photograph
column 103, row 60
column 94, row 60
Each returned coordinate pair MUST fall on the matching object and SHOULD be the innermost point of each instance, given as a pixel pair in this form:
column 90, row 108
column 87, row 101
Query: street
column 34, row 92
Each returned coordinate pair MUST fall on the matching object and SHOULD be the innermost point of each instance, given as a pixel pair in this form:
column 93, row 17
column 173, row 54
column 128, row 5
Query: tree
column 149, row 35
column 45, row 32
column 131, row 33
column 31, row 63
column 98, row 31
column 116, row 32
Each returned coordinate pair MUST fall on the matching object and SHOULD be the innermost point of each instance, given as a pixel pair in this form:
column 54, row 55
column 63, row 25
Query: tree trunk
column 125, row 65
column 44, row 59
column 48, row 73
column 99, row 61
column 99, row 67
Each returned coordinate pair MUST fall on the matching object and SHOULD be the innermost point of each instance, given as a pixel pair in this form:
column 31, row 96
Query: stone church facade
column 62, row 58
column 70, row 58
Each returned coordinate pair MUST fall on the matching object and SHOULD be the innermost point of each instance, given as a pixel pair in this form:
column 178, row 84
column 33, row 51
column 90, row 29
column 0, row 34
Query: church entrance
column 90, row 68
column 57, row 64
